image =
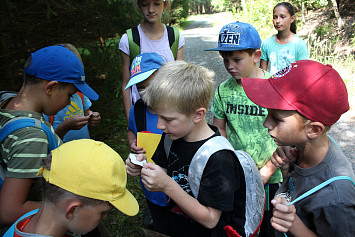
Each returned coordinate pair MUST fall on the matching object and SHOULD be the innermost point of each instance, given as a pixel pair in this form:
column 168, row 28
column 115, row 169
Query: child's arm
column 267, row 171
column 285, row 219
column 126, row 63
column 221, row 125
column 180, row 54
column 155, row 179
column 132, row 141
column 263, row 64
column 94, row 117
column 75, row 122
column 13, row 200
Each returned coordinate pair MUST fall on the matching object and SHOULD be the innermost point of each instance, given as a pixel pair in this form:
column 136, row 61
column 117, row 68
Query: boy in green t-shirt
column 236, row 116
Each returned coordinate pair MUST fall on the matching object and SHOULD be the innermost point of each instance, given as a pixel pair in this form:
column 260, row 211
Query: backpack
column 134, row 41
column 255, row 194
column 18, row 123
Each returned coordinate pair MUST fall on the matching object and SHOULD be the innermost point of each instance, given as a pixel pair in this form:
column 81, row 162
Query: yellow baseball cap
column 91, row 169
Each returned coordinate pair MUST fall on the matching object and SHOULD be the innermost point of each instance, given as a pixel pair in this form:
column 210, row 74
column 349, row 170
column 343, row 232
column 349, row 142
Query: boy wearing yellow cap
column 84, row 179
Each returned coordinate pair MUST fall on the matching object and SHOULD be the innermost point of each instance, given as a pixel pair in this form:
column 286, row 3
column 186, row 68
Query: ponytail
column 290, row 10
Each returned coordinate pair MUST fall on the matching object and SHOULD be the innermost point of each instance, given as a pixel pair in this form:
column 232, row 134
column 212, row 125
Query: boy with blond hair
column 237, row 117
column 51, row 76
column 197, row 206
column 304, row 100
column 83, row 180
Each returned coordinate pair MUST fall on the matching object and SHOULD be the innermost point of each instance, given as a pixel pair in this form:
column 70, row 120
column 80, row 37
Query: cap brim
column 87, row 90
column 262, row 93
column 226, row 49
column 127, row 204
column 139, row 78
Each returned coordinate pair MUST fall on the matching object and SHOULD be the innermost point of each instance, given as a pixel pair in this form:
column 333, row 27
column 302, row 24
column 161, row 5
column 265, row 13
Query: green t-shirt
column 245, row 129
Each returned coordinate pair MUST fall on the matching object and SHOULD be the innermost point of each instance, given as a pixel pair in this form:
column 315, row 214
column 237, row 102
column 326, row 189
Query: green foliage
column 258, row 13
column 310, row 4
column 179, row 10
column 31, row 25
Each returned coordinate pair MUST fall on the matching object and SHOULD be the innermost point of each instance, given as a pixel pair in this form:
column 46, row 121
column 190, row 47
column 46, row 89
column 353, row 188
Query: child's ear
column 257, row 55
column 72, row 208
column 50, row 86
column 315, row 129
column 199, row 114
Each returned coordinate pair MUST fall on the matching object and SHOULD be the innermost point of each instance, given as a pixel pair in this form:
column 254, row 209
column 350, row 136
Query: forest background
column 95, row 28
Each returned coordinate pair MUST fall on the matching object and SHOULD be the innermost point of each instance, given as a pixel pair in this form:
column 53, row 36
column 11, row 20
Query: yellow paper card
column 149, row 142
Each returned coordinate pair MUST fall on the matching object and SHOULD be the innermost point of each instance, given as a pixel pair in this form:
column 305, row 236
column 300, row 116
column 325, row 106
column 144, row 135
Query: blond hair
column 181, row 85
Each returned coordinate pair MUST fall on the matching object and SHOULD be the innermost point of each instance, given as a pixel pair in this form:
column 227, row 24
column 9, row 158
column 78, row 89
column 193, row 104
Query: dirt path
column 201, row 35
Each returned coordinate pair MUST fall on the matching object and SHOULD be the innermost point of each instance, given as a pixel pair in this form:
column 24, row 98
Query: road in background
column 203, row 34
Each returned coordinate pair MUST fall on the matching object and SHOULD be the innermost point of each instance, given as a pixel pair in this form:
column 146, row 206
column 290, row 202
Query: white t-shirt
column 147, row 45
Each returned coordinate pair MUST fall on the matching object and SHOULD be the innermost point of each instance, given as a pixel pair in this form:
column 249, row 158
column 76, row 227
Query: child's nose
column 267, row 123
column 160, row 124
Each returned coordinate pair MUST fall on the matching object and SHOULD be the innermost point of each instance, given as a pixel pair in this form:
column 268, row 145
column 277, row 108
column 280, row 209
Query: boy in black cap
column 52, row 75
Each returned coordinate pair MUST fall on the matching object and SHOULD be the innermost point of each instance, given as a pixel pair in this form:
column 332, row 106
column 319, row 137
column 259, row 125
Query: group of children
column 196, row 186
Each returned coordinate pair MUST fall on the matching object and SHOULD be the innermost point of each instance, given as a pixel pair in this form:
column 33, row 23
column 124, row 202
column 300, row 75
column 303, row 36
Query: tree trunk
column 337, row 14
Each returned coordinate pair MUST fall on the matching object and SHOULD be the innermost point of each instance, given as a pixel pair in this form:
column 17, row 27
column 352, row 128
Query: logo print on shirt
column 73, row 109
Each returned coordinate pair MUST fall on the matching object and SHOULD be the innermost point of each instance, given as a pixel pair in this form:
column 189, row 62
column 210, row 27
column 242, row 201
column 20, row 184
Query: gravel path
column 201, row 35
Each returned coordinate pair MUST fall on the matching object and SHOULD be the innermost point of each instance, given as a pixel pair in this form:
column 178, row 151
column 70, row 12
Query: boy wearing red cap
column 83, row 180
column 303, row 101
column 51, row 76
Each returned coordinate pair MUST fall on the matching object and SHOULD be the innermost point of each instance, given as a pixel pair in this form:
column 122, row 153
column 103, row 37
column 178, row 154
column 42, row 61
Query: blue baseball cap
column 57, row 63
column 237, row 36
column 143, row 66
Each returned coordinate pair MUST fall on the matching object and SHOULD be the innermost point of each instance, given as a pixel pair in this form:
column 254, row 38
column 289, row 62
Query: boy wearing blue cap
column 236, row 116
column 143, row 70
column 51, row 76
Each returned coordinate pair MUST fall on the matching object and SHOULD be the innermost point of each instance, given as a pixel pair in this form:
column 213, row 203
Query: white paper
column 135, row 161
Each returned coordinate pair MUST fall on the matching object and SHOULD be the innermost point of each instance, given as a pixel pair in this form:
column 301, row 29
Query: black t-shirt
column 222, row 187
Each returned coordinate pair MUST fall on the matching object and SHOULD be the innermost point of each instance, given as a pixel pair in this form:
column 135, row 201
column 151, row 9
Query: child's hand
column 283, row 215
column 134, row 149
column 94, row 118
column 283, row 156
column 132, row 169
column 75, row 122
column 154, row 177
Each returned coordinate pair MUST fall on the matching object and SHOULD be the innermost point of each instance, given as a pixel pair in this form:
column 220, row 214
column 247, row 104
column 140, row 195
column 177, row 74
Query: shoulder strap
column 22, row 122
column 6, row 94
column 320, row 186
column 140, row 115
column 81, row 96
column 134, row 42
column 173, row 36
column 167, row 145
column 201, row 157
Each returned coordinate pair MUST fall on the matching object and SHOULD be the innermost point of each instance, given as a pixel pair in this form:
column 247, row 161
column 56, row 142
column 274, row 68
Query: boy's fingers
column 278, row 227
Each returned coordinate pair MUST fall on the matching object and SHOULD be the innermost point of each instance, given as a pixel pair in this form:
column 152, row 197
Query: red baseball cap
column 313, row 89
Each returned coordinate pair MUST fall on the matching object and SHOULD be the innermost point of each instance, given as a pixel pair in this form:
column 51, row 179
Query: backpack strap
column 167, row 145
column 81, row 96
column 140, row 115
column 22, row 122
column 134, row 42
column 173, row 36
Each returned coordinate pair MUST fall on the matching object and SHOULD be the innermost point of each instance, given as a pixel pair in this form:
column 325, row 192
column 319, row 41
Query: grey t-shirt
column 331, row 210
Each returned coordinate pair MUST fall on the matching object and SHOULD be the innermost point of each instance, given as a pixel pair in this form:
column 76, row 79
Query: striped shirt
column 23, row 150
